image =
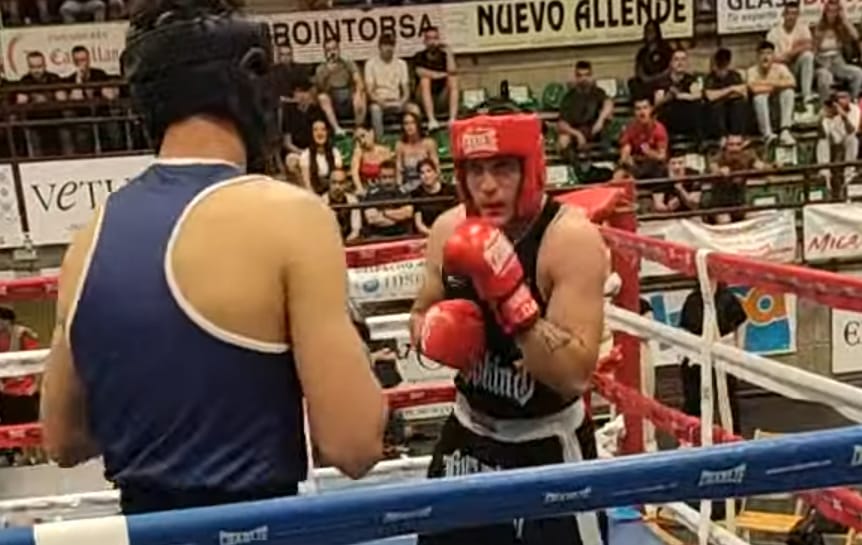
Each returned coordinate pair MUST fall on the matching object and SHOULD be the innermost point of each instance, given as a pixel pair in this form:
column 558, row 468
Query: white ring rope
column 771, row 375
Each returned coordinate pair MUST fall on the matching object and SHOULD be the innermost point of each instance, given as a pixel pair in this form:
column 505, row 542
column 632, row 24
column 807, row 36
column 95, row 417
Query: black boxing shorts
column 474, row 443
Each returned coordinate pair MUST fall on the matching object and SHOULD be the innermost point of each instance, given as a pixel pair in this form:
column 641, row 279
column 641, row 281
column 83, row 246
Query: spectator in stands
column 432, row 186
column 795, row 48
column 584, row 112
column 726, row 96
column 42, row 141
column 83, row 139
column 286, row 73
column 436, row 72
column 644, row 143
column 368, row 155
column 413, row 148
column 651, row 63
column 74, row 11
column 730, row 316
column 389, row 221
column 320, row 159
column 680, row 194
column 678, row 98
column 839, row 131
column 833, row 34
column 340, row 87
column 298, row 117
column 729, row 192
column 769, row 81
column 341, row 192
column 387, row 82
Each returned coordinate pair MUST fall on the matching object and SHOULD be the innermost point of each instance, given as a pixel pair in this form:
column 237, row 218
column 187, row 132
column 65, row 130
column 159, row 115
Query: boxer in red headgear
column 512, row 299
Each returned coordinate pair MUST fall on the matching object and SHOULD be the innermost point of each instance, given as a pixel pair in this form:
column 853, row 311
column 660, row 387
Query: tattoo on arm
column 554, row 337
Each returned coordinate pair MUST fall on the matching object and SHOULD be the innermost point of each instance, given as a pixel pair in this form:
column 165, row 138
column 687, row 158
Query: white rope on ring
column 771, row 375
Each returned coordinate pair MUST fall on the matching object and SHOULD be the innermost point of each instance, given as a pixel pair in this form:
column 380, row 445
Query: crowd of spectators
column 375, row 132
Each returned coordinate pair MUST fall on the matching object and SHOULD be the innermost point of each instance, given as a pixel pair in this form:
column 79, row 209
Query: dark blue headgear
column 189, row 57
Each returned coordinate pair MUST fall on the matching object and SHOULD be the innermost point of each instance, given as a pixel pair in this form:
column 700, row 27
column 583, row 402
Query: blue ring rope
column 795, row 462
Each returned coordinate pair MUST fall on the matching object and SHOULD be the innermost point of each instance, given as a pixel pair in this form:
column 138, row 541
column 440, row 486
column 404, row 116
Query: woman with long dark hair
column 413, row 147
column 832, row 36
column 320, row 159
column 652, row 62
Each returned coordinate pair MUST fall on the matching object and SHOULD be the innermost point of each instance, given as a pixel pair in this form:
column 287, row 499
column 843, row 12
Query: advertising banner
column 832, row 231
column 61, row 196
column 467, row 27
column 770, row 329
column 739, row 16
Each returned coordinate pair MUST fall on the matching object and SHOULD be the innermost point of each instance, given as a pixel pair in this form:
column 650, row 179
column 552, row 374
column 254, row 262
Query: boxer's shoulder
column 262, row 199
column 571, row 228
column 444, row 226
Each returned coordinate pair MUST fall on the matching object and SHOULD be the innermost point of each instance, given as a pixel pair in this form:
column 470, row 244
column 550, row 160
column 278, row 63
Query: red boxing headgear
column 513, row 135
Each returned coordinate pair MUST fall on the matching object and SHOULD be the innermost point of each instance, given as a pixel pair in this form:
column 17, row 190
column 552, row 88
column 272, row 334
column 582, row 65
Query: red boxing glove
column 453, row 334
column 482, row 252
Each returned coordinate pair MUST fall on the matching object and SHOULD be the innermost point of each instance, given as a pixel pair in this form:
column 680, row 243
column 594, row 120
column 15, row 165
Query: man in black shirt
column 431, row 186
column 287, row 73
column 298, row 117
column 730, row 316
column 726, row 97
column 390, row 221
column 584, row 111
column 82, row 134
column 42, row 141
column 678, row 98
column 435, row 70
column 680, row 194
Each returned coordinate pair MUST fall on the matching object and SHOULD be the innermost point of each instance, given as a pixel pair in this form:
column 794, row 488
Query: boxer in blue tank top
column 194, row 311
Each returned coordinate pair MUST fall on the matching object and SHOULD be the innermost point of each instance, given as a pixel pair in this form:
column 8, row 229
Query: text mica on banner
column 467, row 27
column 832, row 231
column 739, row 16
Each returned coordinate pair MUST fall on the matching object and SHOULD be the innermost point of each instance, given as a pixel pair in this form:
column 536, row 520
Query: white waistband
column 563, row 423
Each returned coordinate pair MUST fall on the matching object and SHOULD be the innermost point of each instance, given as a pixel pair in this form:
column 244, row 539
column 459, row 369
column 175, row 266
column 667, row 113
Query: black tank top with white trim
column 496, row 387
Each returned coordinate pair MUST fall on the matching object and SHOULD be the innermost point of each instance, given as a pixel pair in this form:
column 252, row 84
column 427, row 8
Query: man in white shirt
column 794, row 48
column 387, row 82
column 839, row 128
column 768, row 82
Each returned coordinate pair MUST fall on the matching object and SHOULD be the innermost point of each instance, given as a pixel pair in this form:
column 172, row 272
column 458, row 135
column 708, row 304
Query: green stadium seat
column 443, row 150
column 552, row 96
column 344, row 144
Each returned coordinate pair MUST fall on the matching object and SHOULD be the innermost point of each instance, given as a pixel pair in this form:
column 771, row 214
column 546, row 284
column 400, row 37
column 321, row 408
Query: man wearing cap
column 387, row 82
column 512, row 299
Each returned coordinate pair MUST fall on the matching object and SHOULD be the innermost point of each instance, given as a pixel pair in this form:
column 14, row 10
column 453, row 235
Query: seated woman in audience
column 652, row 62
column 413, row 147
column 319, row 160
column 832, row 35
column 680, row 194
column 340, row 192
column 432, row 186
column 367, row 158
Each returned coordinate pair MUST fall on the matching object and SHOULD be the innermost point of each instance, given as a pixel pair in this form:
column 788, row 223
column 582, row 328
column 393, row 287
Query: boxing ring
column 396, row 502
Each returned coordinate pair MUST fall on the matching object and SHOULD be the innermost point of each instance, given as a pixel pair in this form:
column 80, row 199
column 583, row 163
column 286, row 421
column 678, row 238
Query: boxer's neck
column 203, row 137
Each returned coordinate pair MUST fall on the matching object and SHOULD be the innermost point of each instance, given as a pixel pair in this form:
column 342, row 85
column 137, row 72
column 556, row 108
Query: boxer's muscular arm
column 432, row 286
column 561, row 350
column 346, row 408
column 63, row 410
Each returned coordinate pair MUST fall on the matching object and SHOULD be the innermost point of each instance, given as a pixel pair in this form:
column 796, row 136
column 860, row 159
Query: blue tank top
column 173, row 407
